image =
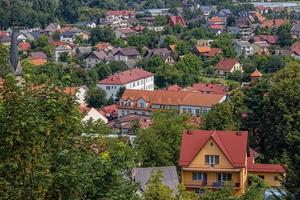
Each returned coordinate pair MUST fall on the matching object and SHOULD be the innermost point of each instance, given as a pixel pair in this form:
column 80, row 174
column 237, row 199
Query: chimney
column 189, row 132
column 239, row 133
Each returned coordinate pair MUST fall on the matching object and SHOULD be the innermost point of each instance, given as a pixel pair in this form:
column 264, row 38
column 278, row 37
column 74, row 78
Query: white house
column 62, row 49
column 243, row 47
column 67, row 36
column 131, row 79
column 227, row 66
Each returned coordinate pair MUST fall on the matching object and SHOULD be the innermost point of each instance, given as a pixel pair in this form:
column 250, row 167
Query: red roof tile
column 210, row 88
column 226, row 64
column 24, row 46
column 256, row 73
column 213, row 52
column 271, row 39
column 232, row 143
column 126, row 77
column 119, row 12
column 176, row 20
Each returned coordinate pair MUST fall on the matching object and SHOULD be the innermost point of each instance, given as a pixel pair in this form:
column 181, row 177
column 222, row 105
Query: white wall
column 142, row 84
column 95, row 116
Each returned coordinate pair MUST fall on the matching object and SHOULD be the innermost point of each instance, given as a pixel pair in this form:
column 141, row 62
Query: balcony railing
column 211, row 184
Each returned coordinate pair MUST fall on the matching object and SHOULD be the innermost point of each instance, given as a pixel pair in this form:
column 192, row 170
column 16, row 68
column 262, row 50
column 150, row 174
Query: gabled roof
column 119, row 12
column 226, row 64
column 213, row 52
column 271, row 39
column 128, row 52
column 24, row 46
column 232, row 143
column 176, row 20
column 210, row 88
column 256, row 73
column 126, row 77
column 37, row 55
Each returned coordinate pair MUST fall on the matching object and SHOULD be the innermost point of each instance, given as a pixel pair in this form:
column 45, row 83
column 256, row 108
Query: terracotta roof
column 226, row 64
column 271, row 39
column 172, row 47
column 210, row 88
column 232, row 143
column 84, row 109
column 102, row 46
column 173, row 88
column 119, row 12
column 58, row 43
column 256, row 73
column 126, row 77
column 38, row 62
column 176, row 98
column 176, row 20
column 110, row 110
column 216, row 26
column 24, row 46
column 213, row 52
column 273, row 23
column 296, row 48
column 203, row 49
column 216, row 19
column 70, row 90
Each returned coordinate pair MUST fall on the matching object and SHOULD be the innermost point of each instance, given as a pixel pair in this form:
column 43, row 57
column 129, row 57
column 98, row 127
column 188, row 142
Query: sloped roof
column 256, row 73
column 177, row 20
column 37, row 55
column 210, row 88
column 38, row 62
column 226, row 64
column 119, row 12
column 128, row 51
column 202, row 49
column 213, row 52
column 232, row 143
column 170, row 177
column 24, row 46
column 126, row 77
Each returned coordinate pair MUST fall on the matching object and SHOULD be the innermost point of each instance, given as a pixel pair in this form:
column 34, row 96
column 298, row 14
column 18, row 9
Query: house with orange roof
column 211, row 160
column 176, row 21
column 135, row 78
column 143, row 102
column 255, row 75
column 38, row 58
column 24, row 46
column 273, row 23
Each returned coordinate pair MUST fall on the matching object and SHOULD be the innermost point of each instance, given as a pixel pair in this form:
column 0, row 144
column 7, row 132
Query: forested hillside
column 40, row 12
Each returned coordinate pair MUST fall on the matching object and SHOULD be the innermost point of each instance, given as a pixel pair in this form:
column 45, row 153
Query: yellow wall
column 212, row 148
column 199, row 160
column 269, row 177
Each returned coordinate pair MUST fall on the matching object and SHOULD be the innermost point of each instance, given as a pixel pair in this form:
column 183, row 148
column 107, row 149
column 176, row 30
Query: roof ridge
column 224, row 150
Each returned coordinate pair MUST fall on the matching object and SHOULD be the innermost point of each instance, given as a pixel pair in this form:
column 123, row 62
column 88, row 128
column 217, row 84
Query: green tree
column 159, row 145
column 4, row 58
column 100, row 34
column 224, row 41
column 156, row 190
column 120, row 93
column 284, row 35
column 96, row 97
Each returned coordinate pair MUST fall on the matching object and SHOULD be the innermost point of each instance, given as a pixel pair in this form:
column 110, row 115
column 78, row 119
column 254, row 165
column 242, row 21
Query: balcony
column 211, row 184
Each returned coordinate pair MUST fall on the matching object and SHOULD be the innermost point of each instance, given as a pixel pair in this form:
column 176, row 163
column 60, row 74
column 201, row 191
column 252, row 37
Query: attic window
column 211, row 144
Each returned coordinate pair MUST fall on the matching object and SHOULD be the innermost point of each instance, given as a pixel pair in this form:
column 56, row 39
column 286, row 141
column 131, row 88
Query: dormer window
column 211, row 159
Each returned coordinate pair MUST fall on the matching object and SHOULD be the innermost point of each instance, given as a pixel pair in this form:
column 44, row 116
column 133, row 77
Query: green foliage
column 96, row 97
column 64, row 57
column 4, row 58
column 224, row 41
column 156, row 190
column 285, row 36
column 120, row 93
column 102, row 34
column 160, row 20
column 159, row 145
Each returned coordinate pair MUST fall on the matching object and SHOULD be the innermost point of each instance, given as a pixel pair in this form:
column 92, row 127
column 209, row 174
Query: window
column 143, row 81
column 224, row 177
column 133, row 84
column 142, row 105
column 189, row 110
column 138, row 83
column 108, row 87
column 211, row 159
column 262, row 177
column 198, row 112
column 276, row 178
column 184, row 110
column 199, row 176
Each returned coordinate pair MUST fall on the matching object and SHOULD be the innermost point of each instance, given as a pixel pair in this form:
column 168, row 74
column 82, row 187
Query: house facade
column 94, row 58
column 226, row 66
column 143, row 102
column 137, row 79
column 243, row 47
column 214, row 159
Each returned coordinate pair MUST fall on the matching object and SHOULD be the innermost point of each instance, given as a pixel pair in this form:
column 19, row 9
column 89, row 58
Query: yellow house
column 213, row 159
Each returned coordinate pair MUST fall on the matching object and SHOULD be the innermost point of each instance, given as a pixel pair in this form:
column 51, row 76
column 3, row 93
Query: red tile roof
column 258, row 167
column 256, row 73
column 273, row 23
column 213, row 52
column 110, row 111
column 126, row 77
column 173, row 88
column 232, row 143
column 226, row 64
column 176, row 20
column 271, row 39
column 24, row 46
column 119, row 12
column 210, row 88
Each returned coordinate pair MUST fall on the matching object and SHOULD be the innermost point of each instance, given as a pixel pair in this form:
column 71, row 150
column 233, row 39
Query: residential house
column 143, row 175
column 60, row 50
column 78, row 92
column 104, row 46
column 224, row 13
column 5, row 40
column 243, row 48
column 110, row 112
column 205, row 42
column 273, row 23
column 124, row 32
column 89, row 113
column 296, row 50
column 208, row 10
column 176, row 21
column 135, row 78
column 21, row 37
column 37, row 58
column 125, row 124
column 156, row 12
column 89, row 24
column 116, row 15
column 227, row 66
column 24, row 47
column 82, row 52
column 129, row 56
column 164, row 53
column 270, row 39
column 216, row 24
column 255, row 75
column 94, row 58
column 210, row 88
column 143, row 102
column 67, row 36
column 207, row 51
column 261, row 48
column 295, row 31
column 210, row 160
column 53, row 27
